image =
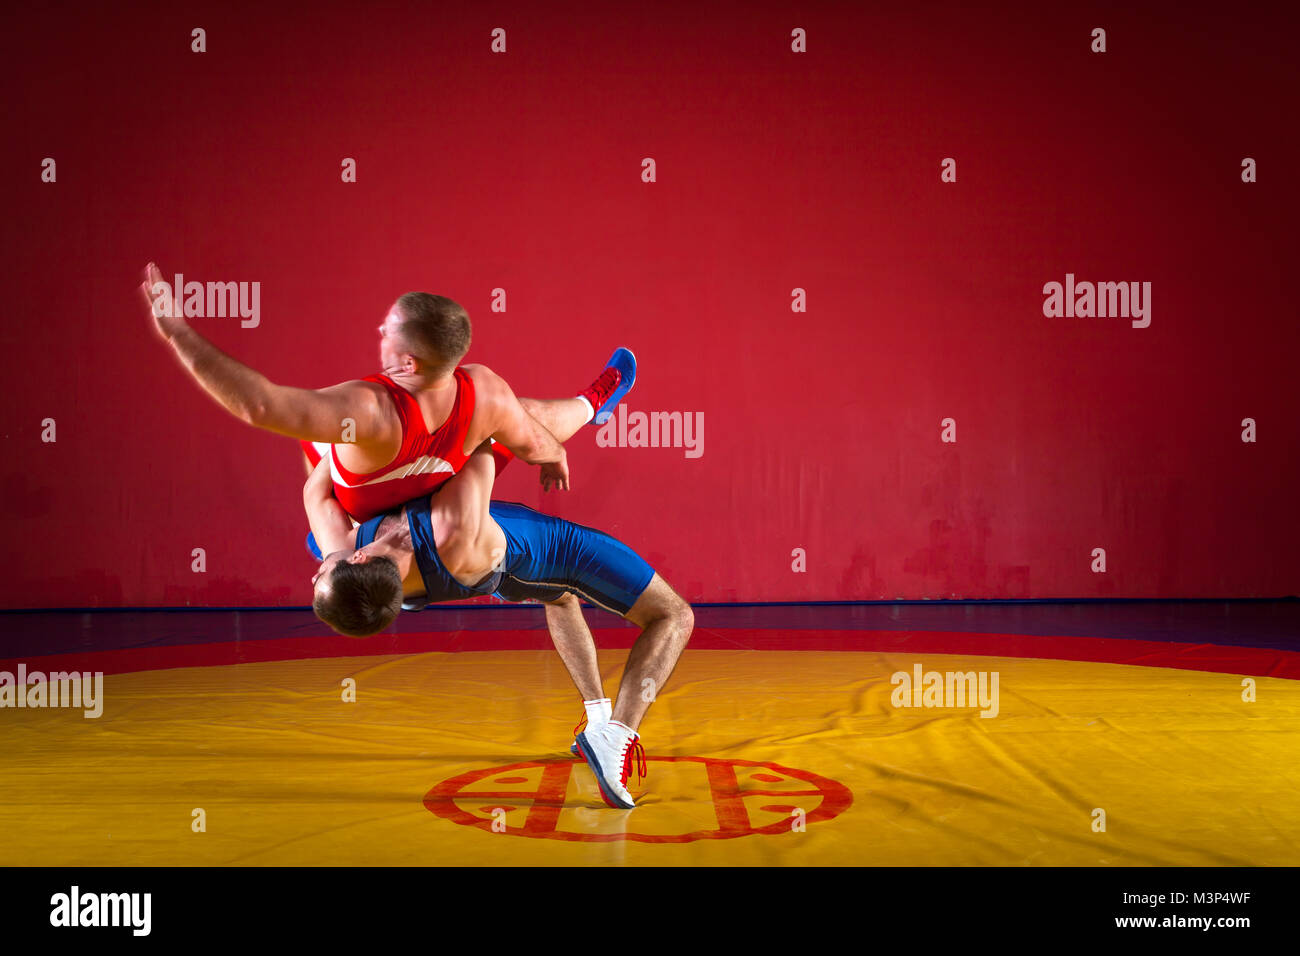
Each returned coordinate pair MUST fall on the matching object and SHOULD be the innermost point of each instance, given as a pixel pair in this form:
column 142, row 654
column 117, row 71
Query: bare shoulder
column 370, row 397
column 480, row 373
column 492, row 405
column 356, row 388
column 488, row 385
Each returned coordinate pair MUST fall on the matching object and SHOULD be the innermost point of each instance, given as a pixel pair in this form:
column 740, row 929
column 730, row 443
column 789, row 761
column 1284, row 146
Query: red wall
column 776, row 170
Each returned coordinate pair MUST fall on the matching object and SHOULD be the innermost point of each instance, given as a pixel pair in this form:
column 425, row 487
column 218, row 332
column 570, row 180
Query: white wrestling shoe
column 598, row 712
column 610, row 751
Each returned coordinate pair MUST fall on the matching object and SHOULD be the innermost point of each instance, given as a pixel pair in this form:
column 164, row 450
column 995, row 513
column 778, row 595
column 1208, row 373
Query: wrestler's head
column 423, row 333
column 357, row 593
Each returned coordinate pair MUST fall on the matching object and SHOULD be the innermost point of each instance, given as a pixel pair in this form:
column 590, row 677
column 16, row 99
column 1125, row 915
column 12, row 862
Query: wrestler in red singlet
column 424, row 461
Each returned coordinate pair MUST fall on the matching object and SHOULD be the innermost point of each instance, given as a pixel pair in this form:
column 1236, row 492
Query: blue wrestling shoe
column 614, row 382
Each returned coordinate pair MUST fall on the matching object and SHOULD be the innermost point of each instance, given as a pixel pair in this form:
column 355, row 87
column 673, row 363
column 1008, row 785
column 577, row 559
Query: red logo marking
column 457, row 801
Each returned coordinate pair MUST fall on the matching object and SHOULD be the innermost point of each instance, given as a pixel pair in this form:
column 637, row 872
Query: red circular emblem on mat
column 476, row 799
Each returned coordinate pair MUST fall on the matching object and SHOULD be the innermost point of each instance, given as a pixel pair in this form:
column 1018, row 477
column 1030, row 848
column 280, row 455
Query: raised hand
column 158, row 297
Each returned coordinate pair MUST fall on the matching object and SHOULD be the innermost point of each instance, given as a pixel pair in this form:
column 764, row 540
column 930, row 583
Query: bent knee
column 676, row 612
column 684, row 617
column 659, row 602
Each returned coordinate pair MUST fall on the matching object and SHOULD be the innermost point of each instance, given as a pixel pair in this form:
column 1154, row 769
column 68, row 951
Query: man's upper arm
column 352, row 411
column 499, row 415
column 330, row 524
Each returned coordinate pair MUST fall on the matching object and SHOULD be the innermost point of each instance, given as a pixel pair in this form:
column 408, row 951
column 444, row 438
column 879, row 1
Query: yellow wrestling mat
column 781, row 758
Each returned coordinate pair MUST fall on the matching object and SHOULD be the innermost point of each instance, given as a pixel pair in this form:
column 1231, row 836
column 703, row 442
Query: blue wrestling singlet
column 548, row 556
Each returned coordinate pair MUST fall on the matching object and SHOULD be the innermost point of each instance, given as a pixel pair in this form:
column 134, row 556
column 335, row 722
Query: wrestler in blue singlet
column 545, row 558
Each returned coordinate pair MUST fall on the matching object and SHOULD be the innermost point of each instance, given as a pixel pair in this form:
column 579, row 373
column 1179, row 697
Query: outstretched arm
column 499, row 415
column 313, row 415
column 330, row 524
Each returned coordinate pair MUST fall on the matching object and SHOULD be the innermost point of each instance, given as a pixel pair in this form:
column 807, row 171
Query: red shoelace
column 634, row 750
column 604, row 386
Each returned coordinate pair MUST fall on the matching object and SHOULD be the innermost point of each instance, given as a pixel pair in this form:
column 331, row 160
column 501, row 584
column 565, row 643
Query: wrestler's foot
column 604, row 394
column 597, row 712
column 610, row 751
